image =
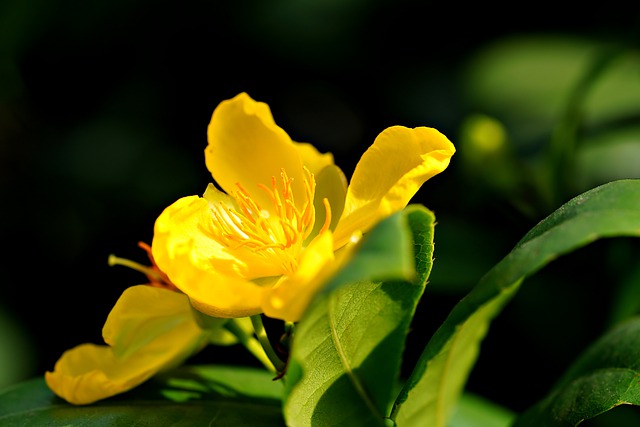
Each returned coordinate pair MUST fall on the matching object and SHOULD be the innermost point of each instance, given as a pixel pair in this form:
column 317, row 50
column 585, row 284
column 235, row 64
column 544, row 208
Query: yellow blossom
column 150, row 329
column 282, row 218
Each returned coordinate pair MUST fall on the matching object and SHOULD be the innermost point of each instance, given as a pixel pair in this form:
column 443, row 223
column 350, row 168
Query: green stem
column 261, row 333
column 288, row 335
column 251, row 344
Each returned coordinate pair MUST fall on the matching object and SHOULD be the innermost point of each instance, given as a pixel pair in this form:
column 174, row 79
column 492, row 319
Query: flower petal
column 179, row 230
column 145, row 313
column 200, row 267
column 389, row 174
column 332, row 185
column 313, row 159
column 156, row 323
column 247, row 147
column 288, row 299
column 223, row 296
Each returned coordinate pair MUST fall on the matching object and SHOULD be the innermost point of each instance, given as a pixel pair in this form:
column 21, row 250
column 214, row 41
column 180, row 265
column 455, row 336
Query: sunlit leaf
column 347, row 350
column 476, row 411
column 434, row 388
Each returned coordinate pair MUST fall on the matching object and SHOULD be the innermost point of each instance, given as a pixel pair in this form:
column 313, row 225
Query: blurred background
column 103, row 114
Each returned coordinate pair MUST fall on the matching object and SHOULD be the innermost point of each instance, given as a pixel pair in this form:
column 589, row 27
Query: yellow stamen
column 327, row 217
column 147, row 271
column 277, row 232
column 156, row 277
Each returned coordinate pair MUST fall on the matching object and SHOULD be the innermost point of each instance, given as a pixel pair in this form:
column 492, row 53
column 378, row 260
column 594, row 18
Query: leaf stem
column 253, row 345
column 261, row 334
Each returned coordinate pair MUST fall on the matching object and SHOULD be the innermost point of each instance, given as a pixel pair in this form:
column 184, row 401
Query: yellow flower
column 148, row 330
column 285, row 217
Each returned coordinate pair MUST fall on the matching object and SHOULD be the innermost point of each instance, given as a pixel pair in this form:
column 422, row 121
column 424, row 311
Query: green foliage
column 344, row 366
column 432, row 392
column 604, row 377
column 188, row 396
column 475, row 411
column 434, row 388
column 355, row 332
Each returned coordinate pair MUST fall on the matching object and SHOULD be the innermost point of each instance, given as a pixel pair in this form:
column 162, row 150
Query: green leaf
column 605, row 376
column 187, row 396
column 347, row 349
column 476, row 411
column 435, row 385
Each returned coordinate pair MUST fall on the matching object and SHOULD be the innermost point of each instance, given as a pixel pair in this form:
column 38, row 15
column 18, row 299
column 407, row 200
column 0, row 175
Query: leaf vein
column 345, row 362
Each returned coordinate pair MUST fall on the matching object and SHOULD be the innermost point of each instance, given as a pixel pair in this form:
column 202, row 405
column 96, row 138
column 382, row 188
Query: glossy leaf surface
column 438, row 380
column 347, row 349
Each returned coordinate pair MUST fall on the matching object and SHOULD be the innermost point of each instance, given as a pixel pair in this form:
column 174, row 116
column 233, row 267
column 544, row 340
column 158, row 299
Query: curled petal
column 389, row 174
column 149, row 330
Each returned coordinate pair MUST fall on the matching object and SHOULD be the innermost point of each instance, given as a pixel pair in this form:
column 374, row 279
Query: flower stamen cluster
column 278, row 232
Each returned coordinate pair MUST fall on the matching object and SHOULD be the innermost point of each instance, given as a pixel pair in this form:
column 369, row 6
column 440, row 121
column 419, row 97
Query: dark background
column 103, row 115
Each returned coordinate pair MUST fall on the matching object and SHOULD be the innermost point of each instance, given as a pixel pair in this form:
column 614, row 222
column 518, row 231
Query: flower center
column 277, row 233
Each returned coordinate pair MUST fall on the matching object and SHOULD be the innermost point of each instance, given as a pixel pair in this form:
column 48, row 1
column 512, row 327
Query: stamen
column 155, row 276
column 147, row 271
column 278, row 232
column 327, row 216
